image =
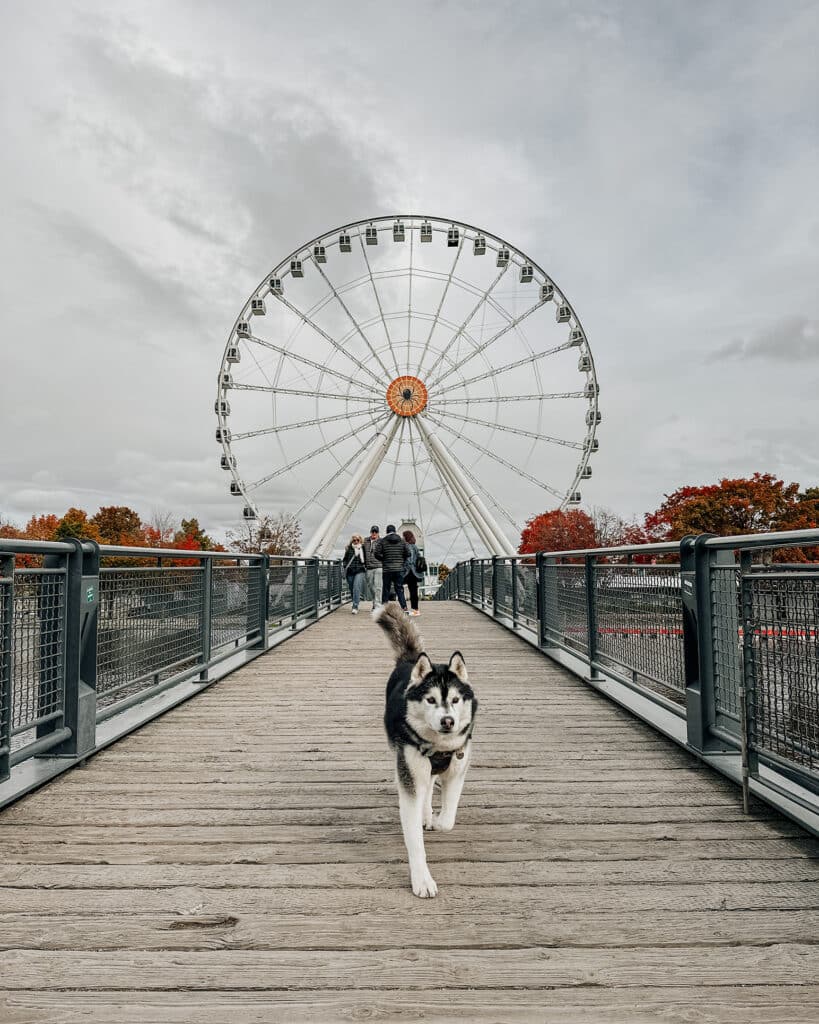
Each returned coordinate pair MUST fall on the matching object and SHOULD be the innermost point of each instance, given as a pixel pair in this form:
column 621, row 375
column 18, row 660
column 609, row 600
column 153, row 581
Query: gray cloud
column 659, row 159
column 793, row 339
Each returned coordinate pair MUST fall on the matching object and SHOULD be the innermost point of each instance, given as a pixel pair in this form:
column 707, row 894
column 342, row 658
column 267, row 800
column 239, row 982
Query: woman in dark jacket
column 413, row 575
column 355, row 568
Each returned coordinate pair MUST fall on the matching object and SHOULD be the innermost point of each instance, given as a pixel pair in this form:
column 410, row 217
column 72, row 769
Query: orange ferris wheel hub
column 407, row 396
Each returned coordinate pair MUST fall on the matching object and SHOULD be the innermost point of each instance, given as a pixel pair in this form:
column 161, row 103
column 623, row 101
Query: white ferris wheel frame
column 457, row 482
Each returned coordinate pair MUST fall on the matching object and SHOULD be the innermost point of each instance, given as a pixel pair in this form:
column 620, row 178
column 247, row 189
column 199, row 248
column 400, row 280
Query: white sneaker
column 415, row 612
column 354, row 611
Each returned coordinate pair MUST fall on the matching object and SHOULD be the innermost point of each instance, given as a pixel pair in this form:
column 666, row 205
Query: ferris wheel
column 408, row 365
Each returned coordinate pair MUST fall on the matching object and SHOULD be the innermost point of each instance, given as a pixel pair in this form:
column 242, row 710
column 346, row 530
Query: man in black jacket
column 393, row 553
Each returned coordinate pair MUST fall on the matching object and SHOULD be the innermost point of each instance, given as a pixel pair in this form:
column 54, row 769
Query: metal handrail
column 89, row 651
column 696, row 648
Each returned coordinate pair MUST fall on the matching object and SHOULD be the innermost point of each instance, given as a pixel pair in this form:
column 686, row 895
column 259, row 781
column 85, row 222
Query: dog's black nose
column 447, row 724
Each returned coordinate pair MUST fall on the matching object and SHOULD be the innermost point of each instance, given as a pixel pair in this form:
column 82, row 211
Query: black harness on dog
column 439, row 759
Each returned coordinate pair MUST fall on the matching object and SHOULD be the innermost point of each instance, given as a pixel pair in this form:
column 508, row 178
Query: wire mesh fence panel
column 306, row 588
column 234, row 602
column 149, row 628
column 323, row 585
column 6, row 639
column 726, row 639
column 503, row 587
column 527, row 593
column 639, row 624
column 783, row 643
column 280, row 592
column 564, row 611
column 38, row 645
column 475, row 582
column 486, row 583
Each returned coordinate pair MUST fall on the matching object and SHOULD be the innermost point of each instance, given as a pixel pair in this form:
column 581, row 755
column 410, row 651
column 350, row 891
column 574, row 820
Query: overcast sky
column 660, row 159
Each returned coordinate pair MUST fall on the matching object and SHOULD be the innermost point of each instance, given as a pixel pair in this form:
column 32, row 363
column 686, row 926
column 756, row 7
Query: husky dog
column 429, row 719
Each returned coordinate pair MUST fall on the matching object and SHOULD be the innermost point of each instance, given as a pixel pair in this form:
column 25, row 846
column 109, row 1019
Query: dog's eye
column 431, row 700
column 455, row 700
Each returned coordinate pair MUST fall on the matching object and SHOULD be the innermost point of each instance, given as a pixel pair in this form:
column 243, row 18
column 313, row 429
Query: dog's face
column 440, row 701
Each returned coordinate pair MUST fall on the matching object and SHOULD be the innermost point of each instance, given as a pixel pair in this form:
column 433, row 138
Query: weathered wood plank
column 758, row 1004
column 787, row 964
column 444, row 929
column 728, row 895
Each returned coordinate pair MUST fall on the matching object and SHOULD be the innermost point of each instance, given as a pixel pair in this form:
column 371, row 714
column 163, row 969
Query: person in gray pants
column 374, row 572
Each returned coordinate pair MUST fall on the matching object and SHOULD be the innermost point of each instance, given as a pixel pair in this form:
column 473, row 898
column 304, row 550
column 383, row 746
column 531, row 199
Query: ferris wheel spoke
column 391, row 491
column 515, row 430
column 487, row 493
column 443, row 490
column 460, row 331
column 314, row 497
column 409, row 302
column 510, row 398
column 485, row 345
column 497, row 370
column 356, row 326
column 447, row 283
column 497, row 458
column 378, row 303
column 303, row 393
column 310, row 455
column 263, row 431
column 310, row 362
column 327, row 337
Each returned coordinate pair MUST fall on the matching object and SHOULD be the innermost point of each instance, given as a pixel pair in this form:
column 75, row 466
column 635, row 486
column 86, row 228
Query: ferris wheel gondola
column 378, row 363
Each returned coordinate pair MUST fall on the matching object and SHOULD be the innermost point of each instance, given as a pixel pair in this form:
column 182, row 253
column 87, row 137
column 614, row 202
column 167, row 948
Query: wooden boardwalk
column 240, row 860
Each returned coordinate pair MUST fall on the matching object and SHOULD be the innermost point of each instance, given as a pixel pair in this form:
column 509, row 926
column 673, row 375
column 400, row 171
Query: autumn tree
column 757, row 504
column 191, row 537
column 557, row 531
column 269, row 535
column 120, row 525
column 75, row 523
column 443, row 572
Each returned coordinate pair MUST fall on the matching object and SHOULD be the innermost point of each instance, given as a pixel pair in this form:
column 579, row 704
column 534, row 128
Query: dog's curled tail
column 400, row 631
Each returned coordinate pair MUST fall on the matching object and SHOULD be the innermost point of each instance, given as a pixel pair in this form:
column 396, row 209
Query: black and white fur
column 429, row 718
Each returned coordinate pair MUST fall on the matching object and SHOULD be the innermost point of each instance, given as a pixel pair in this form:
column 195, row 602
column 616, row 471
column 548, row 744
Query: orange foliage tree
column 557, row 531
column 757, row 504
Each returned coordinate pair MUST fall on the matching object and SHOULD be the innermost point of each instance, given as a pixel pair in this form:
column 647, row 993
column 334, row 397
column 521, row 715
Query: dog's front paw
column 442, row 824
column 423, row 885
column 428, row 817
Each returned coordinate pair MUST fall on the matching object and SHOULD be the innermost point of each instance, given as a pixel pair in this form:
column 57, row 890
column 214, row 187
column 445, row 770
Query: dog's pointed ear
column 422, row 668
column 457, row 666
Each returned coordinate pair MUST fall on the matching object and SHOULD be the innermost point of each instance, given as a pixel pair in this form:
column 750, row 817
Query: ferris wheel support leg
column 325, row 537
column 458, row 499
column 480, row 517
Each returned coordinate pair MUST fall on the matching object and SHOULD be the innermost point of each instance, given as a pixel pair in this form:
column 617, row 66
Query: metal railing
column 707, row 639
column 95, row 640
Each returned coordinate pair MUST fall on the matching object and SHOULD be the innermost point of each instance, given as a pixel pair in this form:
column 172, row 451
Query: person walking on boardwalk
column 374, row 572
column 414, row 574
column 393, row 553
column 355, row 568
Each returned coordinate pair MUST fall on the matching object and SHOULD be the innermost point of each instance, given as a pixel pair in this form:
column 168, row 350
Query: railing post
column 206, row 614
column 472, row 581
column 262, row 567
column 747, row 688
column 514, row 593
column 82, row 596
column 483, row 583
column 314, row 574
column 6, row 664
column 591, row 614
column 696, row 563
column 294, row 594
column 540, row 594
column 495, row 601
